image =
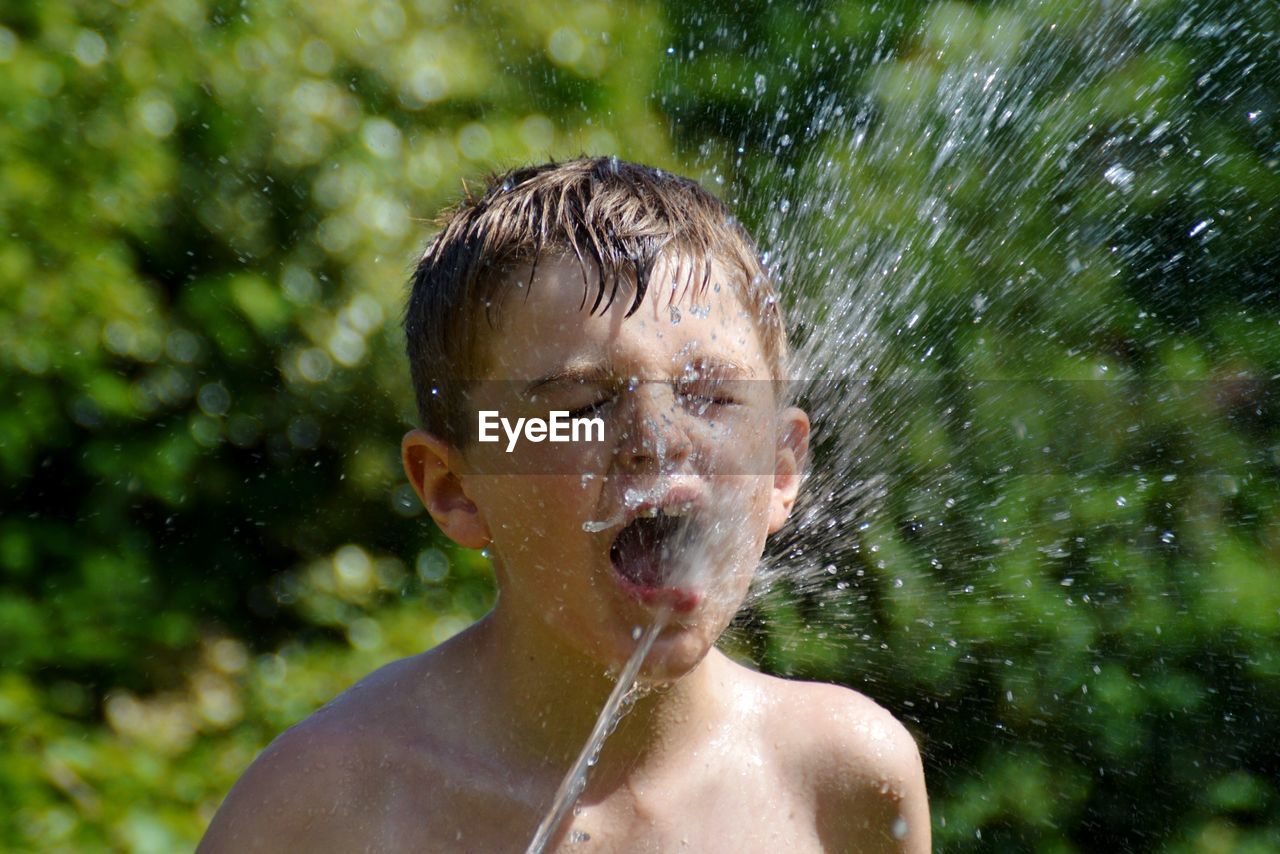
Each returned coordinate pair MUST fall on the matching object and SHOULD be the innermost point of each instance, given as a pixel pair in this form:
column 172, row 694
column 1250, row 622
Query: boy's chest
column 723, row 807
column 726, row 814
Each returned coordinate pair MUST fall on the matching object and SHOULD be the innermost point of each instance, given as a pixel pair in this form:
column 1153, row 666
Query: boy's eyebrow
column 578, row 374
column 583, row 374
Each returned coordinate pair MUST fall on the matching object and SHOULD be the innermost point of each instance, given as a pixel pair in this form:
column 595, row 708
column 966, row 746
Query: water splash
column 963, row 351
column 631, row 499
column 896, row 187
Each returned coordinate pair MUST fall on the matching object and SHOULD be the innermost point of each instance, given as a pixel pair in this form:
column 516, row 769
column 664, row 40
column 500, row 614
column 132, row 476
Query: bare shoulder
column 312, row 787
column 860, row 763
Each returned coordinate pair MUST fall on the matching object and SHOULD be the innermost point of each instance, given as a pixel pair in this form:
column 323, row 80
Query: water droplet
column 675, row 315
column 595, row 526
column 1119, row 176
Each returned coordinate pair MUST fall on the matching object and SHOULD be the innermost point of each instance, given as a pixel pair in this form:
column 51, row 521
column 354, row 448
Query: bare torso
column 394, row 765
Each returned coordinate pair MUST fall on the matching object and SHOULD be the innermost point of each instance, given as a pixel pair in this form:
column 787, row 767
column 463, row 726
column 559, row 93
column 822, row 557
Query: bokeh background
column 207, row 214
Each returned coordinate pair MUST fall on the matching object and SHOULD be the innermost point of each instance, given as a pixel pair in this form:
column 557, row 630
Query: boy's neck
column 546, row 698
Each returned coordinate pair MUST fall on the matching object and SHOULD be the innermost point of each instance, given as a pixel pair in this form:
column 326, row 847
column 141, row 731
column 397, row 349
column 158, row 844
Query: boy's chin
column 686, row 640
column 675, row 653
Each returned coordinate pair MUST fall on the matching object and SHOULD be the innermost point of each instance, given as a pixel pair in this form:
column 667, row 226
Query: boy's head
column 617, row 220
column 642, row 305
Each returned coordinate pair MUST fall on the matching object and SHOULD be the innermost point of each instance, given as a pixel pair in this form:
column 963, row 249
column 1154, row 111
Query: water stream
column 576, row 780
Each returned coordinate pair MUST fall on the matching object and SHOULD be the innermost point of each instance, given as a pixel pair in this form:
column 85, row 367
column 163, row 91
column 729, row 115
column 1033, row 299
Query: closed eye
column 593, row 409
column 706, row 395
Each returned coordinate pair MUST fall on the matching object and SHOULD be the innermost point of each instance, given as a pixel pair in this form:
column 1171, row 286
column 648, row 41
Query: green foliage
column 209, row 209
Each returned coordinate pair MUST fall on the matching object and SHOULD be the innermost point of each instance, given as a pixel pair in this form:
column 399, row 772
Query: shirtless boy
column 612, row 291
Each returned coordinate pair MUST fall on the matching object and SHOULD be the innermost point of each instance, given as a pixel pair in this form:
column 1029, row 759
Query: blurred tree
column 208, row 210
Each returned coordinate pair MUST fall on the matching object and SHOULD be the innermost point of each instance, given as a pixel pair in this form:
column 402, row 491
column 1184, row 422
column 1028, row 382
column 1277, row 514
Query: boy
column 618, row 293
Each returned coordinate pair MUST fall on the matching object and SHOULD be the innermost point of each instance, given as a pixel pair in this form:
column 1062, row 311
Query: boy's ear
column 427, row 463
column 793, row 449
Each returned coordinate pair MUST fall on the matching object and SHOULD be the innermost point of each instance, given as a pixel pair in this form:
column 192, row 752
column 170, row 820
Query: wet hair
column 617, row 219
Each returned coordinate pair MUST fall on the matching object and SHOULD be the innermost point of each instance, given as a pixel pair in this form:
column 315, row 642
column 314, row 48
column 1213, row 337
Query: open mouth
column 646, row 558
column 642, row 553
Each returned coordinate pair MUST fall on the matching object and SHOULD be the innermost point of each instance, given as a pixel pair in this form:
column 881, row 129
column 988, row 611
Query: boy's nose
column 656, row 437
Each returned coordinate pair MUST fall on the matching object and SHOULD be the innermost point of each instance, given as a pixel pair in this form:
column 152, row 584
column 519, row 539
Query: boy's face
column 670, row 512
